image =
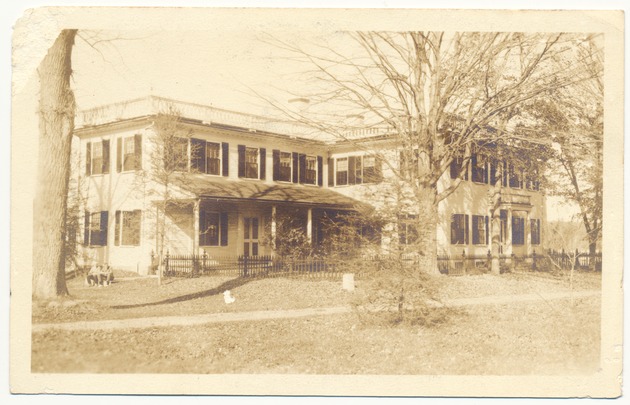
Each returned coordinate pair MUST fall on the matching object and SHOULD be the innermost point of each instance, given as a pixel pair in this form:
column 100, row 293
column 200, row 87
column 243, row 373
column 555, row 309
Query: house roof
column 220, row 188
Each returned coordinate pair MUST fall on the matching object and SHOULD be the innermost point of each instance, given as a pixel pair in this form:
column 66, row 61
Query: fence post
column 489, row 261
column 513, row 263
column 534, row 260
column 465, row 265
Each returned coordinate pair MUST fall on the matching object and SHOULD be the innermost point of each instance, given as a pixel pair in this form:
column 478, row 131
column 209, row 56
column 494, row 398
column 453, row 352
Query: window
column 213, row 158
column 457, row 168
column 129, row 153
column 357, row 170
column 213, row 228
column 284, row 166
column 459, row 229
column 342, row 172
column 97, row 157
column 515, row 177
column 407, row 230
column 251, row 162
column 532, row 181
column 127, row 230
column 535, row 231
column 479, row 171
column 95, row 228
column 518, row 231
column 310, row 175
column 480, row 229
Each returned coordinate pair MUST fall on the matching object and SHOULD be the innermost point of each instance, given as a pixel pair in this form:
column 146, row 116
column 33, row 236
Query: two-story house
column 239, row 175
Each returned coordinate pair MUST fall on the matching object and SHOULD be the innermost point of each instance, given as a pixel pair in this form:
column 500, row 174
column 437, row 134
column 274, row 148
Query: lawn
column 551, row 337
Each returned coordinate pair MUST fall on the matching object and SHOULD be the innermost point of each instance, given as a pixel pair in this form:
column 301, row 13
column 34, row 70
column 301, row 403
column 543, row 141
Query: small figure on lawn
column 106, row 276
column 92, row 277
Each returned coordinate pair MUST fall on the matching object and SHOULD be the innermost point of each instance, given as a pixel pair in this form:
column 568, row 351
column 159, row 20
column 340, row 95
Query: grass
column 542, row 338
column 535, row 338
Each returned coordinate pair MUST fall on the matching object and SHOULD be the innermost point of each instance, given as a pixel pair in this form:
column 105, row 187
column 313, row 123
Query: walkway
column 152, row 322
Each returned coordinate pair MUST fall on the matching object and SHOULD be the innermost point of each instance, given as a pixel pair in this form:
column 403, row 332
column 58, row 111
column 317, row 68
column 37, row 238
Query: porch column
column 528, row 236
column 196, row 227
column 508, row 237
column 309, row 226
column 273, row 228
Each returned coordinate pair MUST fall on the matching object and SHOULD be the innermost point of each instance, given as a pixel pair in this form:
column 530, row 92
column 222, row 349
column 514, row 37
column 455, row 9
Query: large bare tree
column 440, row 95
column 56, row 125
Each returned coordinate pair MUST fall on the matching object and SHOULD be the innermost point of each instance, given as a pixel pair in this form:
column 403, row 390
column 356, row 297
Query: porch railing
column 248, row 266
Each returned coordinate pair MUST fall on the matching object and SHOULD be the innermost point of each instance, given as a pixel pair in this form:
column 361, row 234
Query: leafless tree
column 439, row 95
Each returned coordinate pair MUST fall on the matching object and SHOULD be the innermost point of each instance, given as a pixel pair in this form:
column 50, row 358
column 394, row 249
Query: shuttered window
column 535, row 231
column 95, row 228
column 480, row 229
column 213, row 228
column 518, row 231
column 342, row 172
column 127, row 228
column 459, row 229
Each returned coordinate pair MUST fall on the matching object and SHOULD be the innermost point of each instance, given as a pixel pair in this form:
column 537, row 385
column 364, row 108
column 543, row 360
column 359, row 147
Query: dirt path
column 151, row 322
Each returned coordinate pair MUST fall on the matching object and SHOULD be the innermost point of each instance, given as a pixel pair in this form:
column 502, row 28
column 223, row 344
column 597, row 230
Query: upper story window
column 516, row 177
column 310, row 170
column 297, row 167
column 457, row 168
column 251, row 162
column 342, row 172
column 357, row 170
column 209, row 157
column 479, row 168
column 129, row 153
column 97, row 157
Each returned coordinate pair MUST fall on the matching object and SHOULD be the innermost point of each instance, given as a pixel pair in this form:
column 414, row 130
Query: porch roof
column 220, row 188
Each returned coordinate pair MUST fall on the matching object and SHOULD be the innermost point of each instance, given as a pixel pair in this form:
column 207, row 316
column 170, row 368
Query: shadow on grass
column 228, row 285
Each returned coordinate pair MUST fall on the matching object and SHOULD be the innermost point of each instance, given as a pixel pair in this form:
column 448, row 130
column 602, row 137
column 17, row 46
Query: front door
column 250, row 245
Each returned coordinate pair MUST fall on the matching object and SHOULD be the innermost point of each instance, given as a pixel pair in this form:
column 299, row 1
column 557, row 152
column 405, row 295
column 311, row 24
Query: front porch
column 245, row 218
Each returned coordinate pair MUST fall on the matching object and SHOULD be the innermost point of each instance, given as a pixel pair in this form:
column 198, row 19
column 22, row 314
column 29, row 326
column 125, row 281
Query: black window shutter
column 198, row 155
column 275, row 155
column 241, row 160
column 352, row 178
column 302, row 168
column 295, row 167
column 504, row 174
column 454, row 229
column 263, row 163
column 88, row 159
column 224, row 228
column 202, row 228
column 331, row 172
column 86, row 229
column 117, row 229
column 320, row 171
column 138, row 151
column 119, row 155
column 487, row 230
column 467, row 230
column 225, row 158
column 105, row 156
column 104, row 217
column 485, row 170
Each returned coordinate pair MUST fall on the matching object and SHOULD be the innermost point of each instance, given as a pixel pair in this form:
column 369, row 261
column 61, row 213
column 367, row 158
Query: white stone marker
column 348, row 282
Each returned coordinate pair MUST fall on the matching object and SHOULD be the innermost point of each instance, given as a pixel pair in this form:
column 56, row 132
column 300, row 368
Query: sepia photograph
column 317, row 202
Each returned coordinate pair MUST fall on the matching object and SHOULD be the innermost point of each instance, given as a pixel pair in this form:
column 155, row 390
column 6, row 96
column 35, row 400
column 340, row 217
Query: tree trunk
column 56, row 125
column 427, row 231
